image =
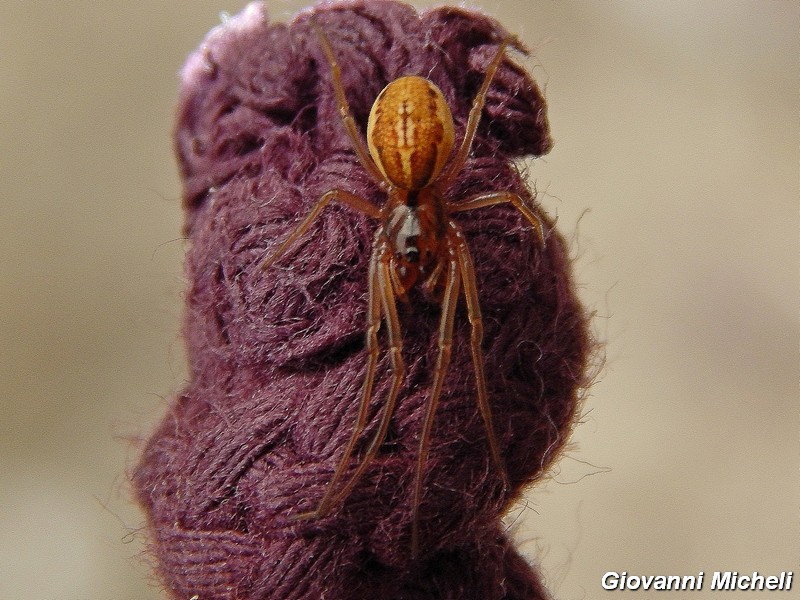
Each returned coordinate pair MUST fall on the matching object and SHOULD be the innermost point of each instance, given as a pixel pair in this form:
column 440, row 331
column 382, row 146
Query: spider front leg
column 394, row 334
column 467, row 269
column 449, row 302
column 373, row 325
column 381, row 295
column 374, row 321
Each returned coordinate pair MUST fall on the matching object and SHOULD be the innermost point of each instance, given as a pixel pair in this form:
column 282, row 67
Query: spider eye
column 412, row 255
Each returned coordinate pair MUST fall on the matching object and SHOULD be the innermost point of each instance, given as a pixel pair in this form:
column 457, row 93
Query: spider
column 410, row 135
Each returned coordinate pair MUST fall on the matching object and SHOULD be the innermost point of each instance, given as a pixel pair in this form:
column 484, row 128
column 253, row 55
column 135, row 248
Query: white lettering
column 721, row 581
column 757, row 582
column 690, row 582
column 610, row 580
column 613, row 580
column 665, row 583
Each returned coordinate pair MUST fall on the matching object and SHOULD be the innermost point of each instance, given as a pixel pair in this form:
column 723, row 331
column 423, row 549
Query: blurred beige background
column 676, row 128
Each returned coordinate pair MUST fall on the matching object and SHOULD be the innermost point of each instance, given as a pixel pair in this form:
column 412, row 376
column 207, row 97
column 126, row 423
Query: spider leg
column 457, row 163
column 492, row 198
column 394, row 334
column 344, row 108
column 429, row 285
column 476, row 338
column 357, row 202
column 449, row 302
column 373, row 350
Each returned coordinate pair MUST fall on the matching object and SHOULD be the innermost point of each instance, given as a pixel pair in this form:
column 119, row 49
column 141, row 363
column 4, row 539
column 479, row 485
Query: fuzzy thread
column 277, row 358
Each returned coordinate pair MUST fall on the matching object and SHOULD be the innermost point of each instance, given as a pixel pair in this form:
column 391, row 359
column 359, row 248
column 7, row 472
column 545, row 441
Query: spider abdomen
column 410, row 132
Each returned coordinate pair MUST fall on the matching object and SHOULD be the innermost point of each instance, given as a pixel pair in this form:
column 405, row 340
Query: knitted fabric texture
column 277, row 357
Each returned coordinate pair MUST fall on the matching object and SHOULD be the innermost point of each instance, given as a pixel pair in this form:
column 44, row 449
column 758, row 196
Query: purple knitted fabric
column 277, row 357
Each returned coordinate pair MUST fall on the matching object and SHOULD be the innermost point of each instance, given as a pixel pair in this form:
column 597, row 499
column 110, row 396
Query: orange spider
column 410, row 136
